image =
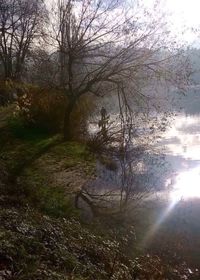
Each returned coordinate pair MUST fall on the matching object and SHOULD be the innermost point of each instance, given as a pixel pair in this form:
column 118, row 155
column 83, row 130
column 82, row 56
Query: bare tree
column 20, row 25
column 104, row 48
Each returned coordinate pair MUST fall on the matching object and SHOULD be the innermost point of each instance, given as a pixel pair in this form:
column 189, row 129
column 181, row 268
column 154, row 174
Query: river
column 182, row 148
column 172, row 225
column 168, row 222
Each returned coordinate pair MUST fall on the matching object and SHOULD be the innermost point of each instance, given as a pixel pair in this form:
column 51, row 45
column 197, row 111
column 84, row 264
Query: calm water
column 180, row 145
column 169, row 222
column 182, row 142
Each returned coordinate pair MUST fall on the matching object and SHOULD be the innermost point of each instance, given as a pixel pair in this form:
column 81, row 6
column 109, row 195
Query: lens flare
column 187, row 185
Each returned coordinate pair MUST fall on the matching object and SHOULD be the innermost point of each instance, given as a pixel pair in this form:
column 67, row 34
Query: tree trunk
column 67, row 121
column 7, row 71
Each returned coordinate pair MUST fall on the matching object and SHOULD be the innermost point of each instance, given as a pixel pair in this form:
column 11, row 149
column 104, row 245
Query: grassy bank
column 42, row 235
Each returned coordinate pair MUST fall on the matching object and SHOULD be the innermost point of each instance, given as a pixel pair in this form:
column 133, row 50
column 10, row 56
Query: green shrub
column 21, row 130
column 45, row 108
column 42, row 108
column 6, row 92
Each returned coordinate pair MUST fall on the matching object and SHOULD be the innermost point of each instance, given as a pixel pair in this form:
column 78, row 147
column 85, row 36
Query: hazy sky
column 184, row 14
column 185, row 10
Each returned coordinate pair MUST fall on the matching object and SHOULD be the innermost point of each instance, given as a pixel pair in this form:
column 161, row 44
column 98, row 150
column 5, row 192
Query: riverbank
column 43, row 235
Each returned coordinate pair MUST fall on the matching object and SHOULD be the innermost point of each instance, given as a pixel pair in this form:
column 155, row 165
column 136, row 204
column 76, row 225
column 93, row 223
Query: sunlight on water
column 182, row 149
column 187, row 185
column 183, row 138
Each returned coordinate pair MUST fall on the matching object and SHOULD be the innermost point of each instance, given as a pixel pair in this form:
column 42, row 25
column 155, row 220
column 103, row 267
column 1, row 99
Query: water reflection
column 183, row 138
column 182, row 142
column 180, row 209
column 182, row 151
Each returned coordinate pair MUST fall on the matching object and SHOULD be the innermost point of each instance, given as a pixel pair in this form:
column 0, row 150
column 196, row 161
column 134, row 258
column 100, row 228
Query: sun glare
column 187, row 10
column 187, row 185
column 184, row 17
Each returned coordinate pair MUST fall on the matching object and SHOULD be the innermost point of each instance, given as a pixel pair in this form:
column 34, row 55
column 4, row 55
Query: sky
column 185, row 10
column 184, row 15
